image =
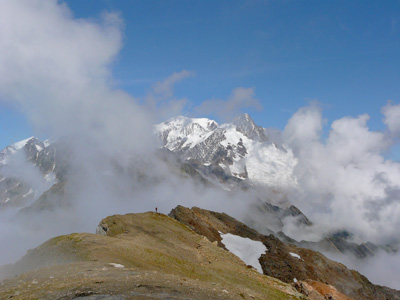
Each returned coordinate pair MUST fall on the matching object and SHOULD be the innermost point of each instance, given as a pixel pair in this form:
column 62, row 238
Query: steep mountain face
column 27, row 169
column 286, row 262
column 338, row 243
column 240, row 149
column 242, row 155
column 238, row 156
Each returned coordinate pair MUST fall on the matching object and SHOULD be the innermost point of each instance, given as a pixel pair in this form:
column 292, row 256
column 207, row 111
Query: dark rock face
column 32, row 148
column 245, row 124
column 51, row 200
column 274, row 216
column 286, row 262
column 339, row 244
column 209, row 224
column 219, row 150
column 50, row 162
column 17, row 186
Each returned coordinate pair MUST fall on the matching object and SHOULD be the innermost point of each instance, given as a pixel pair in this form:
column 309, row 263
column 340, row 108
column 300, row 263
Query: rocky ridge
column 152, row 256
column 237, row 144
column 50, row 162
column 27, row 169
column 240, row 150
column 138, row 256
column 289, row 263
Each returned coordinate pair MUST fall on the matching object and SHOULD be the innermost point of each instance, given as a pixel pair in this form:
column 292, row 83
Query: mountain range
column 235, row 154
column 233, row 157
column 190, row 254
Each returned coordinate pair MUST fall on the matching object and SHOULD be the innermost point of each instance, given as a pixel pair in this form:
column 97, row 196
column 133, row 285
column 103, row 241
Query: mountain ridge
column 234, row 143
column 150, row 255
column 242, row 149
column 138, row 256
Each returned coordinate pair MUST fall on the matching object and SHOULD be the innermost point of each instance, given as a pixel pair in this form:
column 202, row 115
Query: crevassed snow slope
column 264, row 162
column 243, row 149
column 182, row 132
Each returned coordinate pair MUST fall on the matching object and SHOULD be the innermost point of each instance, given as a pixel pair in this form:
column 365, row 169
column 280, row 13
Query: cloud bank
column 57, row 70
column 345, row 182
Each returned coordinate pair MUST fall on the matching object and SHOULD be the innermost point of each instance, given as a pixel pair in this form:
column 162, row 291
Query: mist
column 57, row 70
column 345, row 181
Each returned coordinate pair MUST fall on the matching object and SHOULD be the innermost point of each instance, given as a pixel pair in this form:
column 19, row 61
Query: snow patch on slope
column 295, row 255
column 28, row 193
column 246, row 249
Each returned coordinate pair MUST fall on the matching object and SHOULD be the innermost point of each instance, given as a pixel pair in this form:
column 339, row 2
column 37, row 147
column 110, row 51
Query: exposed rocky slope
column 138, row 256
column 287, row 262
column 48, row 163
column 242, row 150
column 236, row 156
column 242, row 155
column 27, row 169
column 338, row 243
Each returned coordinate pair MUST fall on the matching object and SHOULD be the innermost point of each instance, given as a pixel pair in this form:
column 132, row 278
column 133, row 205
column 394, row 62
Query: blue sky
column 345, row 54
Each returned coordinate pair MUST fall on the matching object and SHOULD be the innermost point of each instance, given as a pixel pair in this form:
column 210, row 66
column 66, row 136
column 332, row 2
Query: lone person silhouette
column 156, row 209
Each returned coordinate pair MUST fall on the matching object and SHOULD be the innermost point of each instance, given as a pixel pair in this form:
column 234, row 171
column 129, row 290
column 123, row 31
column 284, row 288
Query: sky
column 100, row 74
column 343, row 54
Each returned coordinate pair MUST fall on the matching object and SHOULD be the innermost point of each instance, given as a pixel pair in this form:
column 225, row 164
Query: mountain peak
column 245, row 124
column 243, row 119
column 21, row 144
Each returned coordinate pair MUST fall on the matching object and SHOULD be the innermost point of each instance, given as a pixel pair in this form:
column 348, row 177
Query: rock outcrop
column 286, row 262
column 141, row 256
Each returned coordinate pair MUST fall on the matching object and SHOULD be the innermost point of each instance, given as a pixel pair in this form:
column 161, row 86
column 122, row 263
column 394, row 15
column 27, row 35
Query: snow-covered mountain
column 240, row 154
column 241, row 149
column 26, row 171
column 232, row 155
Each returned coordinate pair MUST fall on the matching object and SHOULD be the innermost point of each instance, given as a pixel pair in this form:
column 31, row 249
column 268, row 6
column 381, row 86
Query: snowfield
column 255, row 153
column 295, row 255
column 246, row 249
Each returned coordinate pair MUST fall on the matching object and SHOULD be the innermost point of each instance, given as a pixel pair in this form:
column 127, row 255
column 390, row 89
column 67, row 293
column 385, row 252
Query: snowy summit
column 241, row 149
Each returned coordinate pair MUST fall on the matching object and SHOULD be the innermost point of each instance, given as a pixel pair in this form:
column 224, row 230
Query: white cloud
column 161, row 100
column 305, row 126
column 241, row 98
column 165, row 87
column 57, row 68
column 391, row 113
column 345, row 182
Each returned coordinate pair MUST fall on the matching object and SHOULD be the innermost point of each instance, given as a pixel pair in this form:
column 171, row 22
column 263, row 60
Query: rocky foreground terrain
column 190, row 254
column 142, row 256
column 181, row 256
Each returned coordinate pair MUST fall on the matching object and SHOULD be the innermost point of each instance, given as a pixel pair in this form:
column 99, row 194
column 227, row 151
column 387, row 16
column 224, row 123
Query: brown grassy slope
column 278, row 262
column 162, row 258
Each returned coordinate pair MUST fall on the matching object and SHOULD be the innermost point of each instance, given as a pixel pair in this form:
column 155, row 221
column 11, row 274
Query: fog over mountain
column 57, row 70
